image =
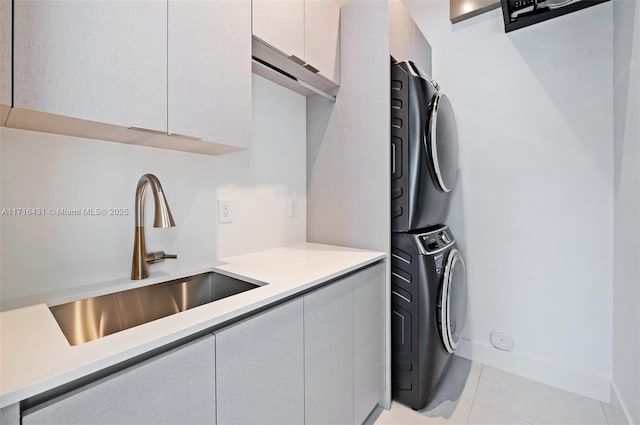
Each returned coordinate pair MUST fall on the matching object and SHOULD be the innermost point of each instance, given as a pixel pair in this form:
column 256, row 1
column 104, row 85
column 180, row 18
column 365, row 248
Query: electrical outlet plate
column 224, row 211
column 293, row 207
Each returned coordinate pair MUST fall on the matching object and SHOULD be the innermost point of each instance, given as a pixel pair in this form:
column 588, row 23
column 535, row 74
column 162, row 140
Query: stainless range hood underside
column 289, row 71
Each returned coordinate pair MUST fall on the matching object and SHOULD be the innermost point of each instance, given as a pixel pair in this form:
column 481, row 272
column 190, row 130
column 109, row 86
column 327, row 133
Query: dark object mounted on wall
column 522, row 13
column 459, row 10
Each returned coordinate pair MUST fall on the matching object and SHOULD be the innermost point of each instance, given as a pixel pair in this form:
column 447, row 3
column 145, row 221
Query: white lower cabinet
column 176, row 387
column 328, row 352
column 344, row 331
column 10, row 415
column 369, row 309
column 318, row 359
column 260, row 371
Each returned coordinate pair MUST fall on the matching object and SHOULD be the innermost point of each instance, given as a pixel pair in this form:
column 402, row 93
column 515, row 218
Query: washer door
column 441, row 141
column 454, row 301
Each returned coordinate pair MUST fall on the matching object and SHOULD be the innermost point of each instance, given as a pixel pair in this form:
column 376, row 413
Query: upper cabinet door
column 281, row 24
column 322, row 37
column 210, row 70
column 306, row 29
column 103, row 61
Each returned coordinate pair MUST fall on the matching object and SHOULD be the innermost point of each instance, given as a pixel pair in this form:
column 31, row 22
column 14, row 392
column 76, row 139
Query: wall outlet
column 293, row 207
column 224, row 211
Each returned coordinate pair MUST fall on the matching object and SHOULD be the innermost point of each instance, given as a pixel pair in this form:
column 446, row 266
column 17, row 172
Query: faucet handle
column 158, row 256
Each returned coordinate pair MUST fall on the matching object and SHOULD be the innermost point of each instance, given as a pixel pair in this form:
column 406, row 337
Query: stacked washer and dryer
column 428, row 275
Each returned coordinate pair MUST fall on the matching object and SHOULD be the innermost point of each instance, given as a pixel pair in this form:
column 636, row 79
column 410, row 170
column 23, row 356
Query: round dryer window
column 442, row 142
column 454, row 301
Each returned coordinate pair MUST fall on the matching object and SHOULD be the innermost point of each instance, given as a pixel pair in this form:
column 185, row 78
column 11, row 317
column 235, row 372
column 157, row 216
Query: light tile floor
column 477, row 394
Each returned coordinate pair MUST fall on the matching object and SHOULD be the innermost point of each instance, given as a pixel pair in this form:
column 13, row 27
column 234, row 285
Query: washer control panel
column 436, row 240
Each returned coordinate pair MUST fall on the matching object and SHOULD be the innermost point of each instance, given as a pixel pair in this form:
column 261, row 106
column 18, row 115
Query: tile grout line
column 491, row 407
column 604, row 412
column 469, row 413
column 512, row 417
column 499, row 410
column 475, row 391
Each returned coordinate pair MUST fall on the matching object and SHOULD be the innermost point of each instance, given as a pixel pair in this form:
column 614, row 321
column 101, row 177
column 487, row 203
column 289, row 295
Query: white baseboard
column 618, row 408
column 573, row 380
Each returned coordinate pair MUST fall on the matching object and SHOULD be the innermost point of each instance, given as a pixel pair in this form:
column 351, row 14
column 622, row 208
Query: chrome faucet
column 163, row 218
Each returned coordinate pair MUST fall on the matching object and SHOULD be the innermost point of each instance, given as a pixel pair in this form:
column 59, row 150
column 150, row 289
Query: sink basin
column 92, row 318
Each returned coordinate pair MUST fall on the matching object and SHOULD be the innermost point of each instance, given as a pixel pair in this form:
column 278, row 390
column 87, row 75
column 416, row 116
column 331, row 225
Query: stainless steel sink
column 92, row 318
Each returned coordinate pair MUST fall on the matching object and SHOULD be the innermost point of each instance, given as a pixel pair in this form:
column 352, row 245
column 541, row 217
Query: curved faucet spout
column 162, row 218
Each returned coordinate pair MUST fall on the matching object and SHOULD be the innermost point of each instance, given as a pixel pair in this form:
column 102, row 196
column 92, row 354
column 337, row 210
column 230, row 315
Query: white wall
column 47, row 253
column 533, row 210
column 626, row 281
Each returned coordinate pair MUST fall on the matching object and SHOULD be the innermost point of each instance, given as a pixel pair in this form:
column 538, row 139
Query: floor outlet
column 293, row 207
column 224, row 211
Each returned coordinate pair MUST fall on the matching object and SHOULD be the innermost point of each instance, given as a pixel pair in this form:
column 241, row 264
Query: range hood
column 289, row 71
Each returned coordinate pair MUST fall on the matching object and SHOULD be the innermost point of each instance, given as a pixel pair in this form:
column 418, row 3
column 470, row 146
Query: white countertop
column 35, row 355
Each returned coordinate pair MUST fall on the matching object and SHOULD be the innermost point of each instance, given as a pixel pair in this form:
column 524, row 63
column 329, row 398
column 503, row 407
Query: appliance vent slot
column 401, row 255
column 396, row 212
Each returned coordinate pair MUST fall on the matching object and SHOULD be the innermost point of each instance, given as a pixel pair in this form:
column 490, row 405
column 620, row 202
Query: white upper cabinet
column 281, row 24
column 210, row 70
column 5, row 59
column 305, row 29
column 322, row 37
column 103, row 61
column 168, row 74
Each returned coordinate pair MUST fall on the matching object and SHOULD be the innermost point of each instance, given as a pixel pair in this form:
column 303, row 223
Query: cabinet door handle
column 147, row 130
column 163, row 133
column 311, row 68
column 296, row 60
column 184, row 136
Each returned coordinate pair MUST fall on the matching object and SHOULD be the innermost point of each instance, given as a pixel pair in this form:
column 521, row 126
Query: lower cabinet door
column 10, row 415
column 177, row 387
column 369, row 339
column 260, row 371
column 328, row 343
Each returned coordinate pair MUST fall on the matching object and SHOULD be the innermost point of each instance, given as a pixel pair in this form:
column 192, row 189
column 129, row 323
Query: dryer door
column 454, row 301
column 441, row 141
